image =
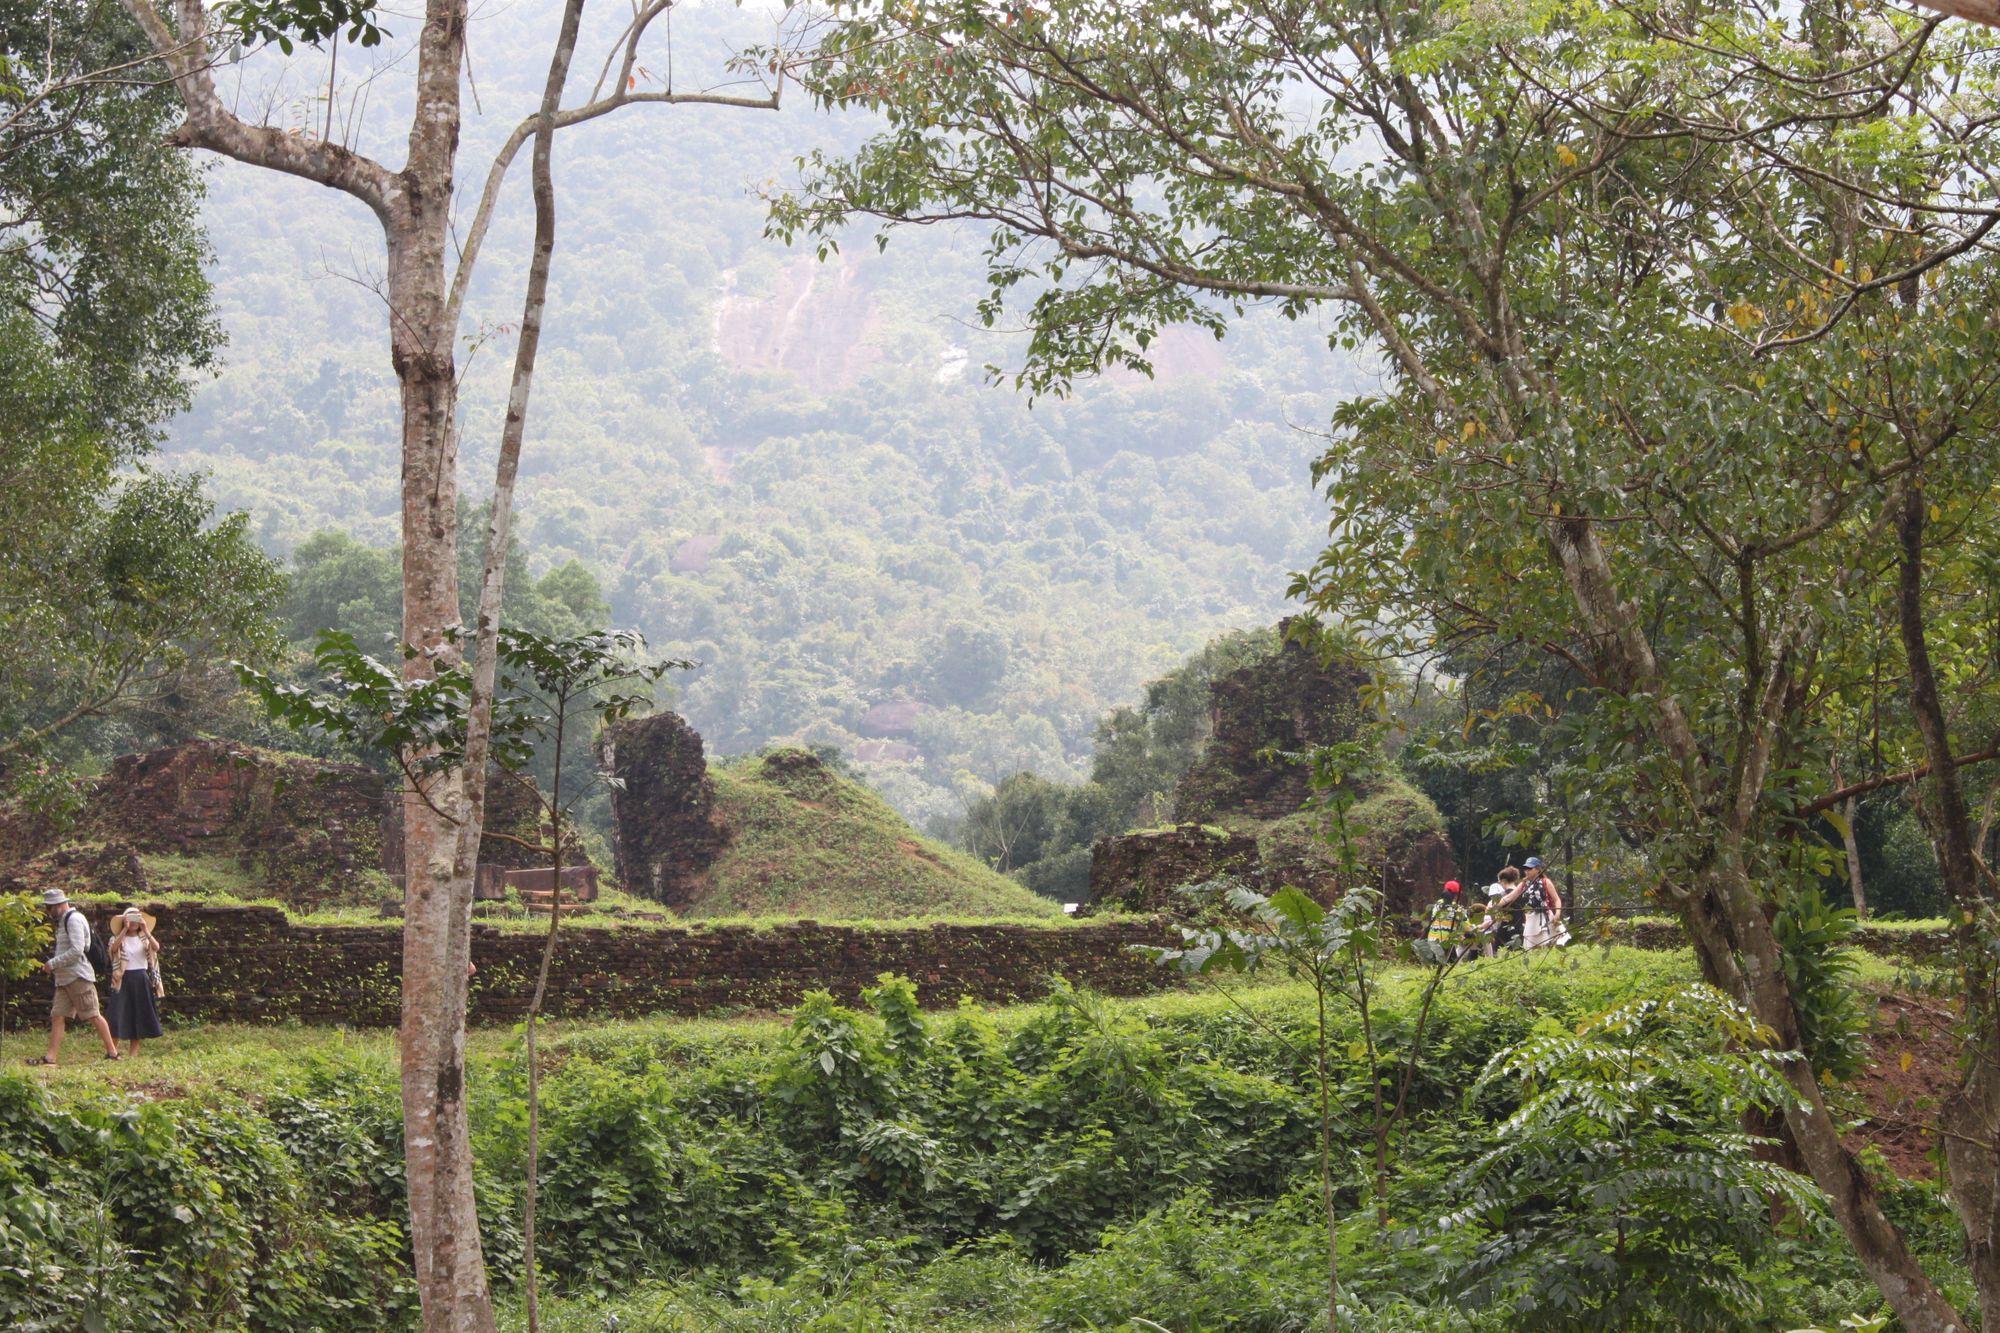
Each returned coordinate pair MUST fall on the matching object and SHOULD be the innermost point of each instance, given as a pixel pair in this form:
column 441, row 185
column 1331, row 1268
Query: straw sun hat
column 124, row 920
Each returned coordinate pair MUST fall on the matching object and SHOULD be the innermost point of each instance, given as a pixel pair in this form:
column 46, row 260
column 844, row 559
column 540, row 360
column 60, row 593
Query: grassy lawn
column 242, row 1058
column 613, row 908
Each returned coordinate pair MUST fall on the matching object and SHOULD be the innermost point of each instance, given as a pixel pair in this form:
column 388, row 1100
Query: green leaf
column 1298, row 909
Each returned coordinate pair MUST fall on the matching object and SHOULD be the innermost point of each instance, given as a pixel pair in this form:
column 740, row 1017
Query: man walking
column 75, row 979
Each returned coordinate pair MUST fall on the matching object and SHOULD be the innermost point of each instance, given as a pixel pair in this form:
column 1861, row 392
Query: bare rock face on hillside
column 668, row 835
column 817, row 323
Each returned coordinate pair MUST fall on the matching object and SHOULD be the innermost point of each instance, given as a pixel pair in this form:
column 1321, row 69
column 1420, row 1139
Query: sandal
column 114, row 1055
column 41, row 1061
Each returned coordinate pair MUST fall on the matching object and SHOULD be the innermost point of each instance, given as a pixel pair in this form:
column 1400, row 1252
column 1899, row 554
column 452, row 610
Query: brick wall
column 252, row 964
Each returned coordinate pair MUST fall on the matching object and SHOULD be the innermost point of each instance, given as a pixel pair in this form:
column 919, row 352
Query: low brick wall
column 1918, row 944
column 252, row 964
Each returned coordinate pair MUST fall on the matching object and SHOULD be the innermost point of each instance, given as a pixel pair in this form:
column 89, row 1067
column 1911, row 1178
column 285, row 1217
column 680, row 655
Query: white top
column 134, row 946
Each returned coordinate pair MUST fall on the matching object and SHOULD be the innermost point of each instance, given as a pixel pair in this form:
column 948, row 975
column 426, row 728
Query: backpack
column 93, row 947
column 1447, row 918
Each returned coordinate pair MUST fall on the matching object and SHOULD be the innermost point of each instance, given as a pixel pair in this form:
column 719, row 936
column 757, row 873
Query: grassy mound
column 806, row 842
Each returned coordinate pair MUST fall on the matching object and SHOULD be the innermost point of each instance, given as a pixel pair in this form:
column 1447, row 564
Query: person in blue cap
column 1541, row 906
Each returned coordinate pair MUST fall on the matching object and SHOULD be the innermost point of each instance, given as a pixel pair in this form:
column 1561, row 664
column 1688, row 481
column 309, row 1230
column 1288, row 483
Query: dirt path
column 1915, row 1063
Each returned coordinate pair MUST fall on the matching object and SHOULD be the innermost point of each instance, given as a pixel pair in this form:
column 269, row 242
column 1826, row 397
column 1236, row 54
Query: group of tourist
column 132, row 960
column 1522, row 905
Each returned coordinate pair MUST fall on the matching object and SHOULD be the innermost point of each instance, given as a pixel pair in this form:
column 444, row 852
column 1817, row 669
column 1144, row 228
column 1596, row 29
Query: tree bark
column 1732, row 938
column 437, row 936
column 1738, row 954
column 413, row 207
column 442, row 823
column 534, row 305
column 1850, row 810
column 1969, row 1119
column 1852, row 847
column 1978, row 11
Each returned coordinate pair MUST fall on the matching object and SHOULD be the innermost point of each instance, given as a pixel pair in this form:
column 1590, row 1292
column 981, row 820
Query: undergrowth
column 1078, row 1164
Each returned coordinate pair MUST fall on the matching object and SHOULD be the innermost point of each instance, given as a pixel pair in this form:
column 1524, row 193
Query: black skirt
column 132, row 1011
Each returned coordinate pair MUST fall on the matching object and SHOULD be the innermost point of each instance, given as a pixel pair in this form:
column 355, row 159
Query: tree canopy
column 117, row 596
column 1685, row 317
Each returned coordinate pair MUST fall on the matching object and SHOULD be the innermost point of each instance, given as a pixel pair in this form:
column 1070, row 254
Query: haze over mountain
column 793, row 472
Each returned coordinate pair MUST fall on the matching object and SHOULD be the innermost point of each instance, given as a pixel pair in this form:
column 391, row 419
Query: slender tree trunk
column 1321, row 1069
column 529, row 1285
column 437, row 932
column 1969, row 1120
column 444, row 1223
column 442, row 825
column 1850, row 812
column 1739, row 955
column 413, row 207
column 485, row 661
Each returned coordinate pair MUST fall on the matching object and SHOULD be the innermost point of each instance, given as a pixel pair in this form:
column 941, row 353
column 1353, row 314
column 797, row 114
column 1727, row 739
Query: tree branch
column 212, row 126
column 626, row 52
column 1834, row 798
column 1978, row 11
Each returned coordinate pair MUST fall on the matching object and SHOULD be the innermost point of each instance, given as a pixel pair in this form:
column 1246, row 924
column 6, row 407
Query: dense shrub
column 177, row 1215
column 1073, row 1165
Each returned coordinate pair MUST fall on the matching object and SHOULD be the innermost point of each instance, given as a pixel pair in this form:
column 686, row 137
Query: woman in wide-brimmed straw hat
column 135, row 979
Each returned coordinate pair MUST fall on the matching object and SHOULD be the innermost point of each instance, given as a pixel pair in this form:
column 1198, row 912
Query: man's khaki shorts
column 75, row 999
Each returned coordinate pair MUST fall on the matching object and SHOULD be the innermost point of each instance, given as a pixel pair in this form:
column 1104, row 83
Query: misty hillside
column 794, row 472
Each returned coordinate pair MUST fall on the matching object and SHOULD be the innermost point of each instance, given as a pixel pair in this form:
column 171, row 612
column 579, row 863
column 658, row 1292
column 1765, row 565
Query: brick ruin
column 1288, row 702
column 241, row 964
column 1143, row 872
column 307, row 832
column 667, row 830
column 255, row 965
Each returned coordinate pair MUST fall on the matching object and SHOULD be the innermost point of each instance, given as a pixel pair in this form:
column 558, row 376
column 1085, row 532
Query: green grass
column 205, row 875
column 805, row 842
column 244, row 1058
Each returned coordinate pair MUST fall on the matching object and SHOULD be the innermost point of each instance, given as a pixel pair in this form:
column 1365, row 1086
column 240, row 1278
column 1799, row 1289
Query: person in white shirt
column 136, row 988
column 1542, row 908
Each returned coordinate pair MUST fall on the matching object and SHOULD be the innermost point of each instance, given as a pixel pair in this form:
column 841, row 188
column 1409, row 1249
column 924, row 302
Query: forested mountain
column 794, row 472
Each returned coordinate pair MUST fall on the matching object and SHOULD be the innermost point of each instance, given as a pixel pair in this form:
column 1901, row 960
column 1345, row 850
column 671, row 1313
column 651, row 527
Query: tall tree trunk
column 1739, row 955
column 1969, row 1120
column 1850, row 812
column 530, row 1288
column 442, row 823
column 437, row 932
column 413, row 207
column 444, row 1224
column 1732, row 938
column 492, row 586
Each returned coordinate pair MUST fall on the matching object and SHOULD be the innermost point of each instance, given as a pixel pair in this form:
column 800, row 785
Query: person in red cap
column 1450, row 926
